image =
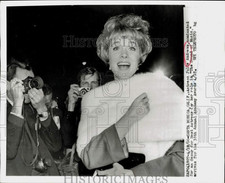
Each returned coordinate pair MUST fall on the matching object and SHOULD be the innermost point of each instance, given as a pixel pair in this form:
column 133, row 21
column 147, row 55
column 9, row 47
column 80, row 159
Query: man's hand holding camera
column 73, row 95
column 37, row 100
column 16, row 91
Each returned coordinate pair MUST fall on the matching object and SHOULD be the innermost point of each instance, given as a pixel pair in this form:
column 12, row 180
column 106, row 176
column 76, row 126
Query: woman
column 115, row 118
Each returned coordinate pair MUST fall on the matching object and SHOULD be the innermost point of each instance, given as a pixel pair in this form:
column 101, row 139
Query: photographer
column 31, row 131
column 56, row 114
column 88, row 78
column 52, row 105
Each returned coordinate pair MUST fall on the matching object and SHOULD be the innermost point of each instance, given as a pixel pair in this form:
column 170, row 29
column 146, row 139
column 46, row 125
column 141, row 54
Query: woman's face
column 124, row 57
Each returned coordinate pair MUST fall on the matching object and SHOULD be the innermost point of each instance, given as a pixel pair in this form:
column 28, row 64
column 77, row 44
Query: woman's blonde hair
column 122, row 24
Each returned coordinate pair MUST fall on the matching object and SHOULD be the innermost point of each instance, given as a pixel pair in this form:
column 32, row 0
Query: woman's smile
column 123, row 66
column 124, row 56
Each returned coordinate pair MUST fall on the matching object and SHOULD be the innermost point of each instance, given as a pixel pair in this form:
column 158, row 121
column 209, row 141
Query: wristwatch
column 43, row 114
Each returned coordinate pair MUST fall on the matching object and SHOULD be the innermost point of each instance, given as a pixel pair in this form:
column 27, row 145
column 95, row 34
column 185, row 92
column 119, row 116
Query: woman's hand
column 138, row 109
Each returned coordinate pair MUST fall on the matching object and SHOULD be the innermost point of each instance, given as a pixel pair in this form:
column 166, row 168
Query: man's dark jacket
column 19, row 143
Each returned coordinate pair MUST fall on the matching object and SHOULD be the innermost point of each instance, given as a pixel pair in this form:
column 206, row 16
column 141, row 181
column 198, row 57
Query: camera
column 83, row 91
column 41, row 165
column 32, row 82
column 215, row 85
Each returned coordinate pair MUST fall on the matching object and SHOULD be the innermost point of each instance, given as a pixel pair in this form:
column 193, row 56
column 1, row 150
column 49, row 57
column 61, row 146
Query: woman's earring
column 140, row 63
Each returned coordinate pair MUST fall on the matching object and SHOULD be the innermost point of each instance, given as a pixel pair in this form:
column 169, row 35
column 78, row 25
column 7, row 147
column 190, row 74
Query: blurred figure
column 56, row 115
column 52, row 105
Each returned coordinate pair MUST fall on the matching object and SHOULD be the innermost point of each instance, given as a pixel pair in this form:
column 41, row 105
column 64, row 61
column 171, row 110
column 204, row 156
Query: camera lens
column 36, row 82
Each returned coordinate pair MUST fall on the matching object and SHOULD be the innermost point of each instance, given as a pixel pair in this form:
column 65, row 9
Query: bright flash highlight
column 159, row 72
column 84, row 63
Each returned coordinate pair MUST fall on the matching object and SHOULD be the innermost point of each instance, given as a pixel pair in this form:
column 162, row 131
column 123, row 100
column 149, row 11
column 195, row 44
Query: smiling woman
column 124, row 44
column 124, row 122
column 124, row 57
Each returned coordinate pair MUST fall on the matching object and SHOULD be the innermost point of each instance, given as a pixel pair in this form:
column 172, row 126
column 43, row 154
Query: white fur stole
column 155, row 132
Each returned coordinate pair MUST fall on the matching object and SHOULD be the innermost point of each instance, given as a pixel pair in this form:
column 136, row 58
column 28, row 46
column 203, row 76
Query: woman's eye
column 115, row 48
column 132, row 48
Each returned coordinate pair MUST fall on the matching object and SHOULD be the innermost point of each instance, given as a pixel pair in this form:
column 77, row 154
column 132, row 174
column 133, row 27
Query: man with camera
column 31, row 131
column 88, row 78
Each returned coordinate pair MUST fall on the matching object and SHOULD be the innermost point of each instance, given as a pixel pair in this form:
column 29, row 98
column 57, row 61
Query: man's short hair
column 13, row 63
column 88, row 71
column 47, row 90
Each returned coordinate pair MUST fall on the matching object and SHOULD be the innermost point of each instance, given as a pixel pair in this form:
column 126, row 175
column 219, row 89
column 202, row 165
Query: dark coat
column 20, row 150
column 107, row 148
column 70, row 124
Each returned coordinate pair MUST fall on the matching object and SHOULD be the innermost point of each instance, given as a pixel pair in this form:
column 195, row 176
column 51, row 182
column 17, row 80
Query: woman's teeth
column 123, row 66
